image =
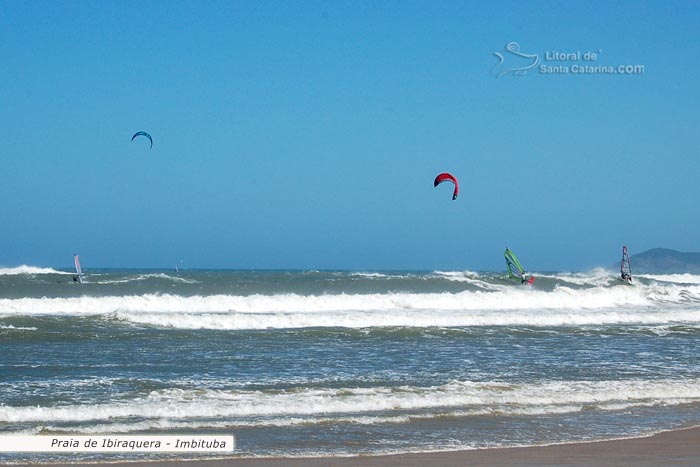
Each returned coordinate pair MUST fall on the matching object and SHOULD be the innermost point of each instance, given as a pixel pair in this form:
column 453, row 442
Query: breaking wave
column 654, row 303
column 198, row 408
column 29, row 270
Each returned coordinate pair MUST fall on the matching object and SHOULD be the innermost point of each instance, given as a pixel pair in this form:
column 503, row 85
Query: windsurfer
column 625, row 268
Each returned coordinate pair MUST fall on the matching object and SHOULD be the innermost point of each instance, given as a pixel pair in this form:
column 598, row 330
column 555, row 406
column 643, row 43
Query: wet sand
column 672, row 448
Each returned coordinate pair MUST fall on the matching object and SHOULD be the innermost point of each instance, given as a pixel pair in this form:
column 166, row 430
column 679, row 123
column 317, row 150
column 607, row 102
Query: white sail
column 78, row 269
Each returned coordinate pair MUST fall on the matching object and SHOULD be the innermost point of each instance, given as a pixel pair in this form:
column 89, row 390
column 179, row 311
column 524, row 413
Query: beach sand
column 672, row 448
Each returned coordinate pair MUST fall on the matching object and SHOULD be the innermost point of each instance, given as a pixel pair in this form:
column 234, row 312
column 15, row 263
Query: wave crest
column 514, row 306
column 29, row 270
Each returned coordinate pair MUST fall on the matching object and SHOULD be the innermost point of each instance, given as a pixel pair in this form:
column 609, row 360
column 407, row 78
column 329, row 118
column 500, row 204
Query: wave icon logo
column 518, row 63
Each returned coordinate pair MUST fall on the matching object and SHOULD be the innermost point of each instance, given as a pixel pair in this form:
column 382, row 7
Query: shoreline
column 679, row 447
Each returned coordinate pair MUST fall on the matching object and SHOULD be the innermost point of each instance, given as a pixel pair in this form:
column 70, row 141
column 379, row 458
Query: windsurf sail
column 515, row 269
column 78, row 276
column 625, row 267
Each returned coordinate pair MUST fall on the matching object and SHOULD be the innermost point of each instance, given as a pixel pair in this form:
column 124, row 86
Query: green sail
column 515, row 269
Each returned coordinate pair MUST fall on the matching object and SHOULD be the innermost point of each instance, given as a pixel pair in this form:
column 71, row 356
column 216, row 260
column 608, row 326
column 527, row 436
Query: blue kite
column 143, row 133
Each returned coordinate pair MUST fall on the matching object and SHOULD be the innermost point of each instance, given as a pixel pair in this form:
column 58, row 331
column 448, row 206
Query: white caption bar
column 140, row 443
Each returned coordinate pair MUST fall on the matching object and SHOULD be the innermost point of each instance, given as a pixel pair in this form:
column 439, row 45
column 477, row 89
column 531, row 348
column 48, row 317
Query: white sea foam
column 371, row 275
column 357, row 319
column 366, row 405
column 674, row 278
column 470, row 277
column 206, row 423
column 10, row 327
column 143, row 277
column 457, row 275
column 564, row 306
column 598, row 277
column 29, row 270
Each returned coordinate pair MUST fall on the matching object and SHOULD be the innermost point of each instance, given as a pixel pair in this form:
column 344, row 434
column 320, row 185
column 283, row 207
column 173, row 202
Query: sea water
column 318, row 363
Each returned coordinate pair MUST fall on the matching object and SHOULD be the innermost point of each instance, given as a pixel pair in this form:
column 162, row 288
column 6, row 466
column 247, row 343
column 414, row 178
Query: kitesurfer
column 448, row 177
column 144, row 134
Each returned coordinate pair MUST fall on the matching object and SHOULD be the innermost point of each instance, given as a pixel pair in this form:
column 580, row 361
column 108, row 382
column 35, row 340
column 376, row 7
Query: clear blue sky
column 307, row 134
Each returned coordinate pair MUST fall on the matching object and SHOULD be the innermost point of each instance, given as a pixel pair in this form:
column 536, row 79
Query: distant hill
column 665, row 261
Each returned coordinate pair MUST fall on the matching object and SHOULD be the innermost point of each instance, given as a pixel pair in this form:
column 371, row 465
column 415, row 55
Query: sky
column 306, row 135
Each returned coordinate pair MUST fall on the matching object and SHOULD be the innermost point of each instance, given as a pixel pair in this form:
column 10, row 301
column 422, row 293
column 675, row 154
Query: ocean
column 324, row 363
